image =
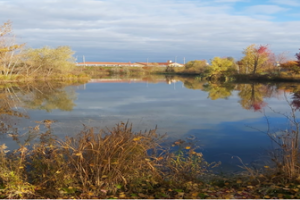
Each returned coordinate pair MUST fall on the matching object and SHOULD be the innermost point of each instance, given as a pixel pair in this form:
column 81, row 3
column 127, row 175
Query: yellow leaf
column 78, row 154
column 122, row 195
column 266, row 167
column 21, row 167
column 187, row 147
column 238, row 181
column 296, row 189
column 267, row 197
column 137, row 138
column 160, row 158
column 90, row 193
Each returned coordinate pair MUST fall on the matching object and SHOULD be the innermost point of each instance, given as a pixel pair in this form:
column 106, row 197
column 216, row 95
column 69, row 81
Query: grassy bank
column 104, row 72
column 141, row 71
column 62, row 77
column 119, row 163
column 284, row 77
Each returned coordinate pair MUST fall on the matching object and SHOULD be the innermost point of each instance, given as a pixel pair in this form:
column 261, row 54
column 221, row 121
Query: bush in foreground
column 118, row 163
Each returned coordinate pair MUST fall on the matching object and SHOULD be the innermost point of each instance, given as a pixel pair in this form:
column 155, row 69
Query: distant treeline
column 17, row 61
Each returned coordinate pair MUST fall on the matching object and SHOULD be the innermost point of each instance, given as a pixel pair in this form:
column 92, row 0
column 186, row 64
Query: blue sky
column 134, row 30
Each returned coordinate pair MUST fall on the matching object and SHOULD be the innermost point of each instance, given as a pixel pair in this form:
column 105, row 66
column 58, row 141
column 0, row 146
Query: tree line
column 15, row 59
column 257, row 59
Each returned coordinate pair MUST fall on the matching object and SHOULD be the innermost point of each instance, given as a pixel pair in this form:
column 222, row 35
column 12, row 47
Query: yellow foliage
column 8, row 49
column 253, row 61
column 220, row 65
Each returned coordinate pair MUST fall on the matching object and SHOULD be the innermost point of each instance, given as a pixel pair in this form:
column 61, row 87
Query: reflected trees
column 49, row 97
column 15, row 98
column 218, row 91
column 251, row 96
column 9, row 101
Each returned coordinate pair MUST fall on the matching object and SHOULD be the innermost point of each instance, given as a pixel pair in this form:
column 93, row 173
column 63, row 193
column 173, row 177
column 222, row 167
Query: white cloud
column 286, row 2
column 135, row 29
column 265, row 9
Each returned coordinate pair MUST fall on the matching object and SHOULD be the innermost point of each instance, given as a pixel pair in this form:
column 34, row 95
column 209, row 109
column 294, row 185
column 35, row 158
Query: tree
column 291, row 65
column 255, row 58
column 48, row 61
column 221, row 66
column 298, row 58
column 8, row 50
column 197, row 65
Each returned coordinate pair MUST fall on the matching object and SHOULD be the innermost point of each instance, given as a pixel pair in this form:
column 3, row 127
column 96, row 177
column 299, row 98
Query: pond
column 227, row 120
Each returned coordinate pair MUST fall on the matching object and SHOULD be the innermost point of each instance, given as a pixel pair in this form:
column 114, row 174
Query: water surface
column 228, row 120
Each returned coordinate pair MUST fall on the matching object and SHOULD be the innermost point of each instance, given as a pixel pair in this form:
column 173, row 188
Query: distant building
column 129, row 64
column 107, row 64
column 160, row 64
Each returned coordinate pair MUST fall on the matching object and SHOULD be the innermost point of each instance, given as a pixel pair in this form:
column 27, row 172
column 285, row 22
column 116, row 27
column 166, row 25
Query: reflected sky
column 222, row 127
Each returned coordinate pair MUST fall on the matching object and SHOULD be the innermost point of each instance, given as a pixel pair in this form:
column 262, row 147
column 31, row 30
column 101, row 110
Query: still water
column 227, row 120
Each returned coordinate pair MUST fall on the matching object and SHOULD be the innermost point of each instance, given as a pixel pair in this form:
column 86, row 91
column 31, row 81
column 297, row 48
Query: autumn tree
column 291, row 66
column 222, row 66
column 8, row 50
column 256, row 58
column 298, row 59
column 48, row 61
column 198, row 66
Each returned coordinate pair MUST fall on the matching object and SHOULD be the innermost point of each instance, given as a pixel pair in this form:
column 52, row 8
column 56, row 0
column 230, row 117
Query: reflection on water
column 224, row 117
column 42, row 96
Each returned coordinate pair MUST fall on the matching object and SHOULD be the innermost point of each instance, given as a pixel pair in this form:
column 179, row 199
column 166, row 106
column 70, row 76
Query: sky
column 155, row 30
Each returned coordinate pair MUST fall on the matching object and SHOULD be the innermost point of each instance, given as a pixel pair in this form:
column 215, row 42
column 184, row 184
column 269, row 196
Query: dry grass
column 119, row 163
column 90, row 164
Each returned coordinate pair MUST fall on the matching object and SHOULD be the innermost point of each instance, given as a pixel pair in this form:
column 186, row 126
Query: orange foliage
column 289, row 65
